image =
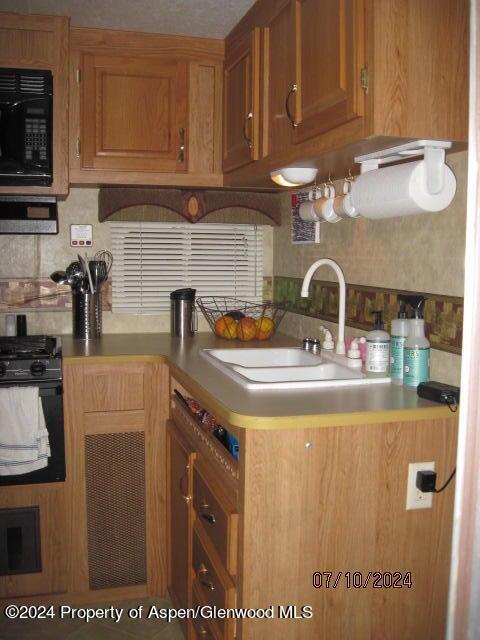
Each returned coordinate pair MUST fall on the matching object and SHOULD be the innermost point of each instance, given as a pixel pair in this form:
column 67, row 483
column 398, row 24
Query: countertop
column 275, row 409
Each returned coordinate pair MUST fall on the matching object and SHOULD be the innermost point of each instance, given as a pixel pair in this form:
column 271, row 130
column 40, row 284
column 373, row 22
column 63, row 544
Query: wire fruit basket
column 235, row 319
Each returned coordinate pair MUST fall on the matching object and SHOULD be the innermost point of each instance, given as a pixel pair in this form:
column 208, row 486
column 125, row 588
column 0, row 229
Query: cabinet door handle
column 206, row 515
column 181, row 151
column 203, row 579
column 184, row 494
column 293, row 89
column 245, row 134
column 203, row 633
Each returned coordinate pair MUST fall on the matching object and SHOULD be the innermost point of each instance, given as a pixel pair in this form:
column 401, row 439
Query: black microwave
column 26, row 102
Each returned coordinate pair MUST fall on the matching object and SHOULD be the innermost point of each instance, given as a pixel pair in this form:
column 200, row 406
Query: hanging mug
column 326, row 207
column 342, row 204
column 307, row 211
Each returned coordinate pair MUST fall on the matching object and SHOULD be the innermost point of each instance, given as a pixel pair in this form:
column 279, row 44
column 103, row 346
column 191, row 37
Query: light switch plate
column 417, row 499
column 81, row 235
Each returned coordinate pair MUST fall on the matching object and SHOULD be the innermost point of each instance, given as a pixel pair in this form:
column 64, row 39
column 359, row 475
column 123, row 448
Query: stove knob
column 37, row 369
column 3, row 369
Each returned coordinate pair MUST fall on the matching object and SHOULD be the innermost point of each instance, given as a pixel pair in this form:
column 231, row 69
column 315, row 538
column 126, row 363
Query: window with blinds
column 151, row 259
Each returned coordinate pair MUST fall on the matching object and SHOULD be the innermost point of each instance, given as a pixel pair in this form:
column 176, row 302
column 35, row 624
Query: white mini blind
column 151, row 259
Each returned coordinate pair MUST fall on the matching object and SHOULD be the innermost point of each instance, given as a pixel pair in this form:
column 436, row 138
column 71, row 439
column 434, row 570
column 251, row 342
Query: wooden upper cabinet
column 145, row 109
column 241, row 114
column 41, row 42
column 278, row 79
column 134, row 113
column 327, row 74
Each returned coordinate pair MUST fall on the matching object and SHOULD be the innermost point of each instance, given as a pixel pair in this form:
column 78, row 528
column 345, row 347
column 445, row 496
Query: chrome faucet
column 340, row 348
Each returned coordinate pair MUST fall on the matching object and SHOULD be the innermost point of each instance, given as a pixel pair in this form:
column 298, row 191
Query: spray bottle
column 399, row 334
column 416, row 350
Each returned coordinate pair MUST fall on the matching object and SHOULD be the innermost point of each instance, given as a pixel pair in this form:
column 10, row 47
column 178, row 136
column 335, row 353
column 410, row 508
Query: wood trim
column 58, row 63
column 156, row 408
column 464, row 616
column 114, row 422
column 77, row 536
column 139, row 43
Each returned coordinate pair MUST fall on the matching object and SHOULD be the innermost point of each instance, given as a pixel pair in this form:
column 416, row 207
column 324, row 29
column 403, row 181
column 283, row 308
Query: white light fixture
column 294, row 176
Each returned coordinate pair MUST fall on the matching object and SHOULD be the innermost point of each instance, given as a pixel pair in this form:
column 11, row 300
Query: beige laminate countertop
column 275, row 409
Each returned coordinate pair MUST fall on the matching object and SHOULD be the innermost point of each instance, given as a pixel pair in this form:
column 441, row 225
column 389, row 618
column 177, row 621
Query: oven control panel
column 46, row 369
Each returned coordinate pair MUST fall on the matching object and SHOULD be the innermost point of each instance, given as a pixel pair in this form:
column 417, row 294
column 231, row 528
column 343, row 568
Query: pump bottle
column 416, row 350
column 378, row 349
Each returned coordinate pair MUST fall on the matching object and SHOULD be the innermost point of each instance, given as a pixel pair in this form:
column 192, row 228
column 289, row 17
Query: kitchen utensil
column 75, row 275
column 106, row 257
column 59, row 277
column 86, row 270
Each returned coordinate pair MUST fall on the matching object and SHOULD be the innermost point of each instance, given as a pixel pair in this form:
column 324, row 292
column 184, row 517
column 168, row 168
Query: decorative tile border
column 443, row 314
column 41, row 294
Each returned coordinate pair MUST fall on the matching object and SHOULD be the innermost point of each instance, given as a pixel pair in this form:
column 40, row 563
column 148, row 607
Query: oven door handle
column 57, row 390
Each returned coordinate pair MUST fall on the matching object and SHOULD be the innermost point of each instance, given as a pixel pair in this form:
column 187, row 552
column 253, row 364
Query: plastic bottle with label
column 378, row 349
column 398, row 337
column 416, row 350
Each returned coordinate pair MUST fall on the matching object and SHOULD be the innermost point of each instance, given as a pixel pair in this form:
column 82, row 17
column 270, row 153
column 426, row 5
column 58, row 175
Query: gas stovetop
column 30, row 358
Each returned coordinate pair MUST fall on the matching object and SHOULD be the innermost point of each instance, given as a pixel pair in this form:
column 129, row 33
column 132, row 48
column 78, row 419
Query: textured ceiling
column 203, row 18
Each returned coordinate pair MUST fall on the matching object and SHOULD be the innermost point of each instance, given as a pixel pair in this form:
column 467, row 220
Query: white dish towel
column 24, row 444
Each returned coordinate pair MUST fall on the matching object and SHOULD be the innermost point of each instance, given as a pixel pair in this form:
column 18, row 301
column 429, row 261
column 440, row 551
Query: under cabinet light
column 294, row 176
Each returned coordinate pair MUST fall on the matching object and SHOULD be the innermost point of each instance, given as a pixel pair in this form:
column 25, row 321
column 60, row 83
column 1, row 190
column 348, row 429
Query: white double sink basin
column 287, row 368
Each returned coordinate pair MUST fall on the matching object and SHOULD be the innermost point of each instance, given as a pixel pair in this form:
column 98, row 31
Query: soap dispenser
column 378, row 349
column 416, row 351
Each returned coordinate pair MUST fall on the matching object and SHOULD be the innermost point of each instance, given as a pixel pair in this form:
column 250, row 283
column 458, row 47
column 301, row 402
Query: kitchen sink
column 287, row 368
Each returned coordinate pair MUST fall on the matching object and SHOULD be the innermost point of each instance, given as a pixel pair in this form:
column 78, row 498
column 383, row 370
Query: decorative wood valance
column 193, row 206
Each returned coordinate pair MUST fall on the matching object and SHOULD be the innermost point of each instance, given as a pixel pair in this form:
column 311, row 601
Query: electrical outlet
column 417, row 499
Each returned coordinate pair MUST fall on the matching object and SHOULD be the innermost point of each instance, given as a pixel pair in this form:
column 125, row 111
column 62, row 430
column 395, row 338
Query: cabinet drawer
column 213, row 585
column 108, row 388
column 202, row 629
column 219, row 519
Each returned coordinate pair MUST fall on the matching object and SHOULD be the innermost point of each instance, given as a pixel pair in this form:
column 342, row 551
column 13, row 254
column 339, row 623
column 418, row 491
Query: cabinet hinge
column 79, row 76
column 364, row 78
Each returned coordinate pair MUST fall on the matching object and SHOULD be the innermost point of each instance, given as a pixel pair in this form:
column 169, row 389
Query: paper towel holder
column 433, row 152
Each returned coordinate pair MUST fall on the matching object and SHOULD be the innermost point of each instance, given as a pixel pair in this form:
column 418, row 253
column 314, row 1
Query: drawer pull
column 203, row 633
column 203, row 579
column 206, row 515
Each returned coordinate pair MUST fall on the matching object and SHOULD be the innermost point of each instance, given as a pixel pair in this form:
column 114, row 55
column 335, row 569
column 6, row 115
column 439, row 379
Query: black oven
column 26, row 103
column 51, row 394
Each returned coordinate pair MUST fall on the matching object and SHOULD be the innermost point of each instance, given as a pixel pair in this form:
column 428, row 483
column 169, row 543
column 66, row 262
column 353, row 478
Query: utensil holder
column 87, row 315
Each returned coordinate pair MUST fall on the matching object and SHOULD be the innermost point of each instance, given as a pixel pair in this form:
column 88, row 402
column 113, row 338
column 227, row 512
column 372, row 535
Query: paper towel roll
column 400, row 190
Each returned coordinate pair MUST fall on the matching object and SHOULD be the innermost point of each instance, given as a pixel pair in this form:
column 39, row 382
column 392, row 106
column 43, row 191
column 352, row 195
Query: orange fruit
column 264, row 328
column 247, row 329
column 226, row 327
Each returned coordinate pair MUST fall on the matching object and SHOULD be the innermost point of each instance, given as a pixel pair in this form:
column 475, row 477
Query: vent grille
column 26, row 81
column 7, row 82
column 115, row 478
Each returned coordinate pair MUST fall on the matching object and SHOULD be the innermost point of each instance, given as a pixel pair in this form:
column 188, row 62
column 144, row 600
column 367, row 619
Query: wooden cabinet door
column 278, row 78
column 329, row 40
column 133, row 113
column 179, row 469
column 241, row 102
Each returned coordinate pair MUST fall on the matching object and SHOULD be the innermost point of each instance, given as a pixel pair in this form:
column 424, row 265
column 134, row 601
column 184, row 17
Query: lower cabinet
column 301, row 505
column 115, row 437
column 179, row 516
column 33, row 543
